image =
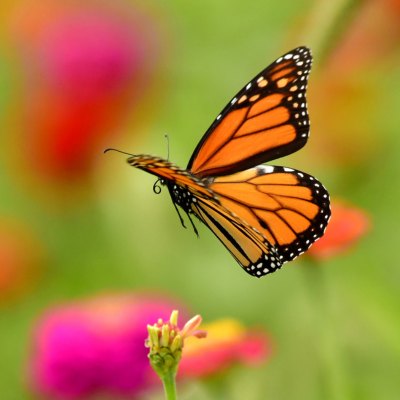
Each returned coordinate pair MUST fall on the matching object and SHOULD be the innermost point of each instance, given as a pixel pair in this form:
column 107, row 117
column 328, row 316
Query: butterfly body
column 264, row 215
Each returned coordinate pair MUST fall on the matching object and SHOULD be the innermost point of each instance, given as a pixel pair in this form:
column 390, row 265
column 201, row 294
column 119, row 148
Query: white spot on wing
column 266, row 169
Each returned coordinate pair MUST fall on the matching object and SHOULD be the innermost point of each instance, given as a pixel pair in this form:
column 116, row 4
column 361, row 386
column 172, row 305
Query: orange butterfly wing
column 249, row 248
column 266, row 120
column 290, row 208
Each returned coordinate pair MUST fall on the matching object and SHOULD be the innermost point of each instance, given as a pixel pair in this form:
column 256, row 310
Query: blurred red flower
column 21, row 256
column 228, row 343
column 85, row 66
column 345, row 228
column 96, row 347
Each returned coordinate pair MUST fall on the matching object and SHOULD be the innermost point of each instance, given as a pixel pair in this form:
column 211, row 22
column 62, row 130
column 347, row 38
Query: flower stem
column 168, row 380
column 328, row 350
column 327, row 23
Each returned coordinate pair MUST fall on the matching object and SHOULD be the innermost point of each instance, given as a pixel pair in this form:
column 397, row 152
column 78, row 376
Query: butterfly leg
column 179, row 215
column 183, row 222
column 193, row 225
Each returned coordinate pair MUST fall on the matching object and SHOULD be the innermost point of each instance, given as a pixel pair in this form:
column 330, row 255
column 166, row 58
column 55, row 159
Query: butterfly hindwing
column 290, row 208
column 249, row 248
column 266, row 120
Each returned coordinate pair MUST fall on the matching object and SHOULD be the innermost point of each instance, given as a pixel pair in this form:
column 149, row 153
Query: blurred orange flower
column 347, row 225
column 346, row 89
column 228, row 343
column 372, row 37
column 21, row 256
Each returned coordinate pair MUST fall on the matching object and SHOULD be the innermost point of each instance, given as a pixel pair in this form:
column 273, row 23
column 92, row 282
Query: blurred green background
column 90, row 224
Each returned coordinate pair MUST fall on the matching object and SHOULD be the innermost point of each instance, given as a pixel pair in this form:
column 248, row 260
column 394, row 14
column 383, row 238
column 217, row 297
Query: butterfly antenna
column 119, row 151
column 167, row 139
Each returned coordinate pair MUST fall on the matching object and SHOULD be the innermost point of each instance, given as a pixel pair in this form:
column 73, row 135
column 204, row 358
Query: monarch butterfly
column 264, row 215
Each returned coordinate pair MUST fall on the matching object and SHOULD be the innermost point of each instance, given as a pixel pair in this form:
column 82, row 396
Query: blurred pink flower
column 347, row 225
column 85, row 67
column 96, row 347
column 228, row 343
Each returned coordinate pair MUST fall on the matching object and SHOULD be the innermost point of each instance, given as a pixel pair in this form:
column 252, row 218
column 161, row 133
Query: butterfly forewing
column 266, row 120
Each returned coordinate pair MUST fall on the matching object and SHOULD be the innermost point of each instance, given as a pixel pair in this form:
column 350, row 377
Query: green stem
column 331, row 366
column 327, row 22
column 168, row 380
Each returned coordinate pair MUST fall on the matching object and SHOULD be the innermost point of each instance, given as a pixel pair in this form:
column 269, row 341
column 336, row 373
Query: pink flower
column 96, row 347
column 347, row 225
column 85, row 66
column 228, row 343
